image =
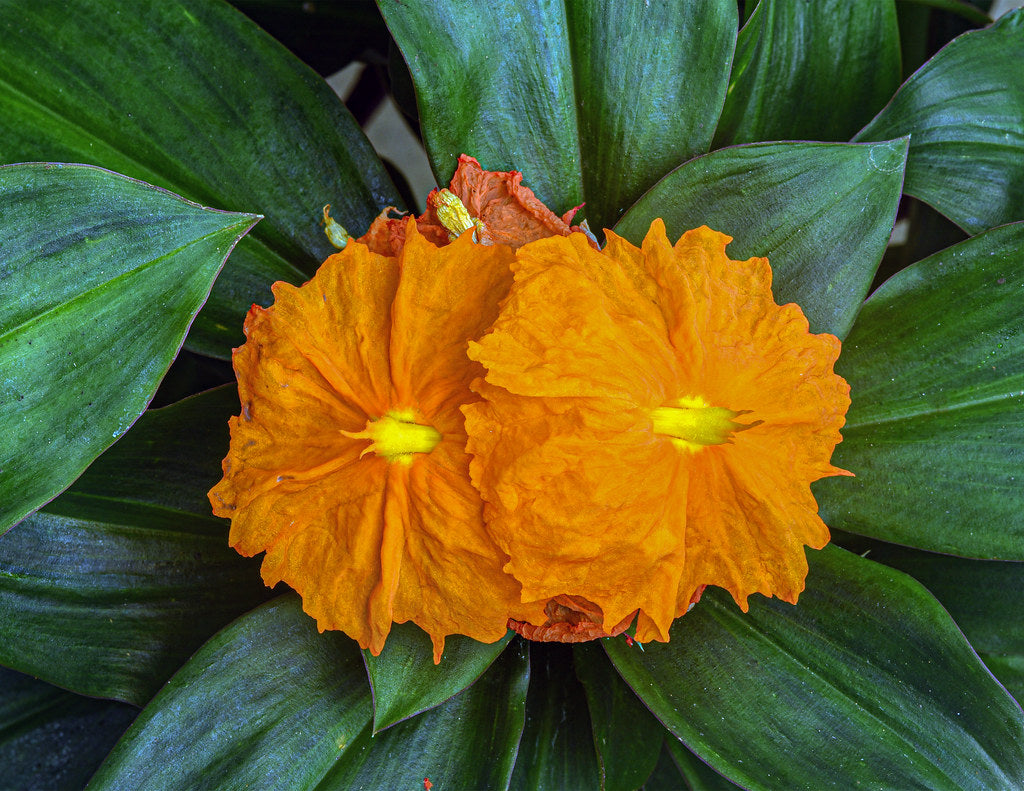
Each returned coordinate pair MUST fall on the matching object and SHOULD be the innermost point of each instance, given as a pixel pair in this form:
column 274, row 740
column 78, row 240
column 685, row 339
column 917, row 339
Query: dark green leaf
column 406, row 681
column 469, row 742
column 626, row 736
column 51, row 739
column 811, row 71
column 822, row 213
column 666, row 776
column 985, row 598
column 117, row 581
column 964, row 111
column 192, row 96
column 959, row 7
column 867, row 675
column 267, row 703
column 557, row 749
column 1009, row 669
column 100, row 278
column 561, row 91
column 934, row 434
column 699, row 776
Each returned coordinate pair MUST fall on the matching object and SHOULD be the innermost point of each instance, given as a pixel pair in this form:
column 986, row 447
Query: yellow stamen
column 454, row 216
column 694, row 425
column 396, row 436
column 336, row 235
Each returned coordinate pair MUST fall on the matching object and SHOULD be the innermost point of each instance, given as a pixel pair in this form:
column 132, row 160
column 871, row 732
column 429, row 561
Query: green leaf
column 822, row 213
column 52, row 739
column 557, row 748
column 469, row 742
column 557, row 90
column 192, row 96
column 964, row 111
column 810, row 71
column 959, row 7
column 934, row 435
column 406, row 681
column 267, row 703
column 666, row 776
column 867, row 674
column 1009, row 669
column 699, row 776
column 627, row 738
column 100, row 280
column 120, row 579
column 985, row 598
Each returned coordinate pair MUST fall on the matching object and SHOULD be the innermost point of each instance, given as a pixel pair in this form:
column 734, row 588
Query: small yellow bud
column 336, row 234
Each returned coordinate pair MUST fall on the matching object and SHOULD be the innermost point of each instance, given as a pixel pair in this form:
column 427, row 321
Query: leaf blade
column 810, row 71
column 282, row 144
column 822, row 213
column 111, row 587
column 406, row 681
column 50, row 738
column 528, row 85
column 867, row 664
column 81, row 363
column 267, row 702
column 469, row 741
column 964, row 111
column 937, row 377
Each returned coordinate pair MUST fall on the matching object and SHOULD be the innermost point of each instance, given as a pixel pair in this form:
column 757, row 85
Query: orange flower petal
column 566, row 298
column 582, row 500
column 583, row 495
column 366, row 539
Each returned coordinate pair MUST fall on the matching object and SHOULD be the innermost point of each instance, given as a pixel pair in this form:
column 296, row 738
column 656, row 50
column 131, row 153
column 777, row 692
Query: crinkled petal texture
column 582, row 493
column 367, row 541
column 511, row 213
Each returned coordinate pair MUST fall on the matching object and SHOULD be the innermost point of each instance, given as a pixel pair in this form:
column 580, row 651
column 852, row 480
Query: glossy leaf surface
column 985, row 598
column 934, row 435
column 626, row 736
column 469, row 741
column 53, row 739
column 555, row 89
column 810, row 71
column 406, row 681
column 267, row 703
column 111, row 587
column 821, row 213
column 557, row 748
column 100, row 279
column 192, row 96
column 867, row 674
column 964, row 111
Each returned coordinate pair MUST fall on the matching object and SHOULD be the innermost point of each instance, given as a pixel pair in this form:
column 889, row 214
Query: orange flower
column 348, row 462
column 651, row 424
column 509, row 212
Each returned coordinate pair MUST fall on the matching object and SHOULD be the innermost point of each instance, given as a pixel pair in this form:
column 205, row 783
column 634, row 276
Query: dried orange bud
column 454, row 216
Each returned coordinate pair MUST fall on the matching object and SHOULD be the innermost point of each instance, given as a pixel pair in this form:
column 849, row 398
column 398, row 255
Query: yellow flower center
column 397, row 436
column 693, row 424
